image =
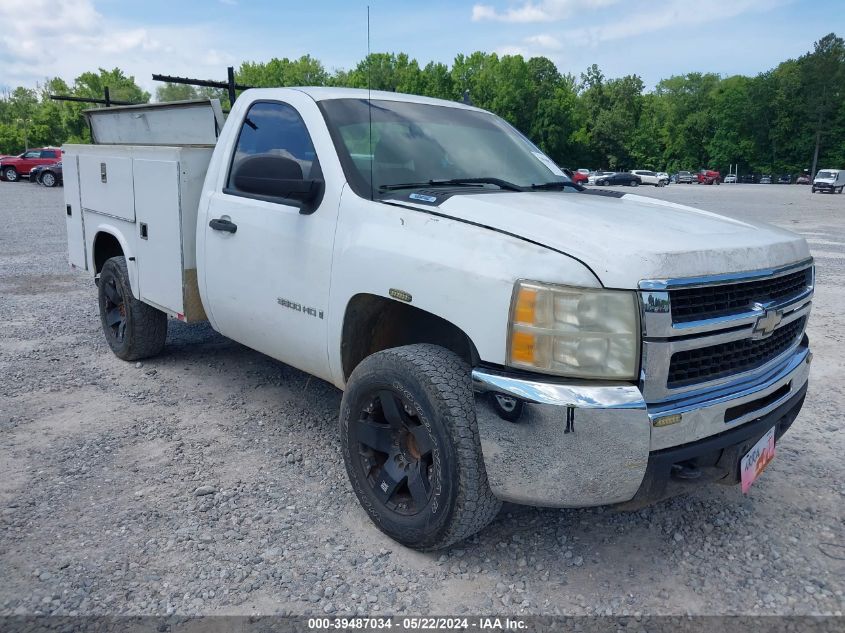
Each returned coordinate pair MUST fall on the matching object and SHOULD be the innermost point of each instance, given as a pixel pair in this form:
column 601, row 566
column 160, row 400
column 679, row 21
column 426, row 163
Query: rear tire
column 411, row 447
column 133, row 329
column 10, row 174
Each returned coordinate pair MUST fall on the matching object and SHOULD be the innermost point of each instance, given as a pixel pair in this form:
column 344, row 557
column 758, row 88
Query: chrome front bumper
column 583, row 443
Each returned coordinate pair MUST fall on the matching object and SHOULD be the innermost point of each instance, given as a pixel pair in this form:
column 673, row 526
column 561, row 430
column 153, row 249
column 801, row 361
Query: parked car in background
column 730, row 178
column 709, row 177
column 591, row 179
column 830, row 180
column 648, row 177
column 619, row 178
column 803, row 179
column 581, row 176
column 47, row 175
column 785, row 179
column 765, row 179
column 34, row 173
column 686, row 177
column 17, row 167
column 749, row 179
column 663, row 175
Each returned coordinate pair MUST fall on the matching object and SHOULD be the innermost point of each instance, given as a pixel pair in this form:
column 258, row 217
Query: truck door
column 267, row 270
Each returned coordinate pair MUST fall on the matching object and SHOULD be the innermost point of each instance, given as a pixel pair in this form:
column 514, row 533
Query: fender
column 115, row 231
column 458, row 271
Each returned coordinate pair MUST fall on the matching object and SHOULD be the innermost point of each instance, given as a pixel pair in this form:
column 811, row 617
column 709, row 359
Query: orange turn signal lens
column 526, row 306
column 522, row 347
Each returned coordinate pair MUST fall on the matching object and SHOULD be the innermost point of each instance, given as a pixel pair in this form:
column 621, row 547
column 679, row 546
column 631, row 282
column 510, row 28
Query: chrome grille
column 706, row 333
column 704, row 364
column 707, row 302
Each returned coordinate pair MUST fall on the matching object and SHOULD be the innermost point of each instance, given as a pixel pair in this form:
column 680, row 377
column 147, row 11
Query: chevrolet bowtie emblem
column 767, row 323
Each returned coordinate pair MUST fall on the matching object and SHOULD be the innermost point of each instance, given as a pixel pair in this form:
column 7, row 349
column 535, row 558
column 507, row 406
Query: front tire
column 133, row 329
column 11, row 174
column 411, row 447
column 48, row 179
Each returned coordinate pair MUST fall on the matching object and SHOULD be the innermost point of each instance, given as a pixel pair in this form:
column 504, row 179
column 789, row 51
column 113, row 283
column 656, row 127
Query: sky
column 200, row 38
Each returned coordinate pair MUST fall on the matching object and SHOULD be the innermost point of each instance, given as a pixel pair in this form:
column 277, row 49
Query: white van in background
column 830, row 180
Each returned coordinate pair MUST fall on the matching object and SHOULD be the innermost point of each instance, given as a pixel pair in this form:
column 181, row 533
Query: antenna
column 370, row 106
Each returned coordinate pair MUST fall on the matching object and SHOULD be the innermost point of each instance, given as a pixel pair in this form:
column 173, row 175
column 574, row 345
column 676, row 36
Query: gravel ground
column 209, row 480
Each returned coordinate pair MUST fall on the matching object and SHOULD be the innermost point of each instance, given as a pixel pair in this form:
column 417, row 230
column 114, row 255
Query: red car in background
column 14, row 168
column 581, row 176
column 709, row 177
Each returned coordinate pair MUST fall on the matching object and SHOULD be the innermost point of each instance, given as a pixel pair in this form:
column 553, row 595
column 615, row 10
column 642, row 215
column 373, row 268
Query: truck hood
column 630, row 238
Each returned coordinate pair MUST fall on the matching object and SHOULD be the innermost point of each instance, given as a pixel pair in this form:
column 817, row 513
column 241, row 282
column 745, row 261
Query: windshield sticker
column 548, row 162
column 419, row 196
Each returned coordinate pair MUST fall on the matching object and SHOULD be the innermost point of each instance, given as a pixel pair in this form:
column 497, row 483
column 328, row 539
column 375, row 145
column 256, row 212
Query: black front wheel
column 10, row 174
column 133, row 329
column 411, row 448
column 48, row 179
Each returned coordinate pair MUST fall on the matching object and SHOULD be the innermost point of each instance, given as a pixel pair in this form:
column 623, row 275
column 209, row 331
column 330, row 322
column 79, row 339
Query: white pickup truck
column 499, row 332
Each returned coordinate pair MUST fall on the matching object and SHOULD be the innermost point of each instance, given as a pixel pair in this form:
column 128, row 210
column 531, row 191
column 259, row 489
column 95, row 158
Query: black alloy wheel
column 395, row 453
column 133, row 329
column 411, row 447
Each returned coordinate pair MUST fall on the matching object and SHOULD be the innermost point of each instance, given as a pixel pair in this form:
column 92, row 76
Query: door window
column 32, row 155
column 48, row 153
column 274, row 129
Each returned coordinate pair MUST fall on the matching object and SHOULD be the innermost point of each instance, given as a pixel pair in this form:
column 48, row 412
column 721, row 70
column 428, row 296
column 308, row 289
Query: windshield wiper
column 557, row 185
column 459, row 182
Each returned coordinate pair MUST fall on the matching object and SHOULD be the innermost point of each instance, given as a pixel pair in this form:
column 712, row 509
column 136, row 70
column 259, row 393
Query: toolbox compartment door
column 107, row 185
column 73, row 214
column 159, row 233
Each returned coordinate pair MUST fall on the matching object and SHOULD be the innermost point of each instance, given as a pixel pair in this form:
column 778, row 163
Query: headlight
column 576, row 332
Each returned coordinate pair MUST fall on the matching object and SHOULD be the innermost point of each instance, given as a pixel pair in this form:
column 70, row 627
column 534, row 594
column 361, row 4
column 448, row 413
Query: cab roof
column 319, row 93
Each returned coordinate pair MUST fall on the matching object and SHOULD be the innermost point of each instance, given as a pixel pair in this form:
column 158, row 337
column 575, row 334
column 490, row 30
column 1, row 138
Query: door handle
column 219, row 224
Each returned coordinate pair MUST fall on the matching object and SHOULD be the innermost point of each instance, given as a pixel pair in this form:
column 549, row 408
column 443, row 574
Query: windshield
column 826, row 174
column 414, row 143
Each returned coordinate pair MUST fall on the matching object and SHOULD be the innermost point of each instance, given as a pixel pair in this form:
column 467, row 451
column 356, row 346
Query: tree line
column 784, row 120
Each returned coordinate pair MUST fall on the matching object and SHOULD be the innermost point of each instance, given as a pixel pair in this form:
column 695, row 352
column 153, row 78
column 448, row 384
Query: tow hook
column 506, row 407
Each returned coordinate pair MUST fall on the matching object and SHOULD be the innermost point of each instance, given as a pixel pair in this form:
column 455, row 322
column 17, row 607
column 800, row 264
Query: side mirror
column 276, row 177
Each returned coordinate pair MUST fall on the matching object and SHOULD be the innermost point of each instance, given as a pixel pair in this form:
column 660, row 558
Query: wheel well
column 374, row 323
column 106, row 246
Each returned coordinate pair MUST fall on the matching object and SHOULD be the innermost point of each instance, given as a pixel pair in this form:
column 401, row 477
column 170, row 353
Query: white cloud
column 567, row 44
column 87, row 40
column 544, row 40
column 675, row 14
column 543, row 11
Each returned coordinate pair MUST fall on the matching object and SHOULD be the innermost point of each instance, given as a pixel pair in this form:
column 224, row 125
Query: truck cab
column 500, row 333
